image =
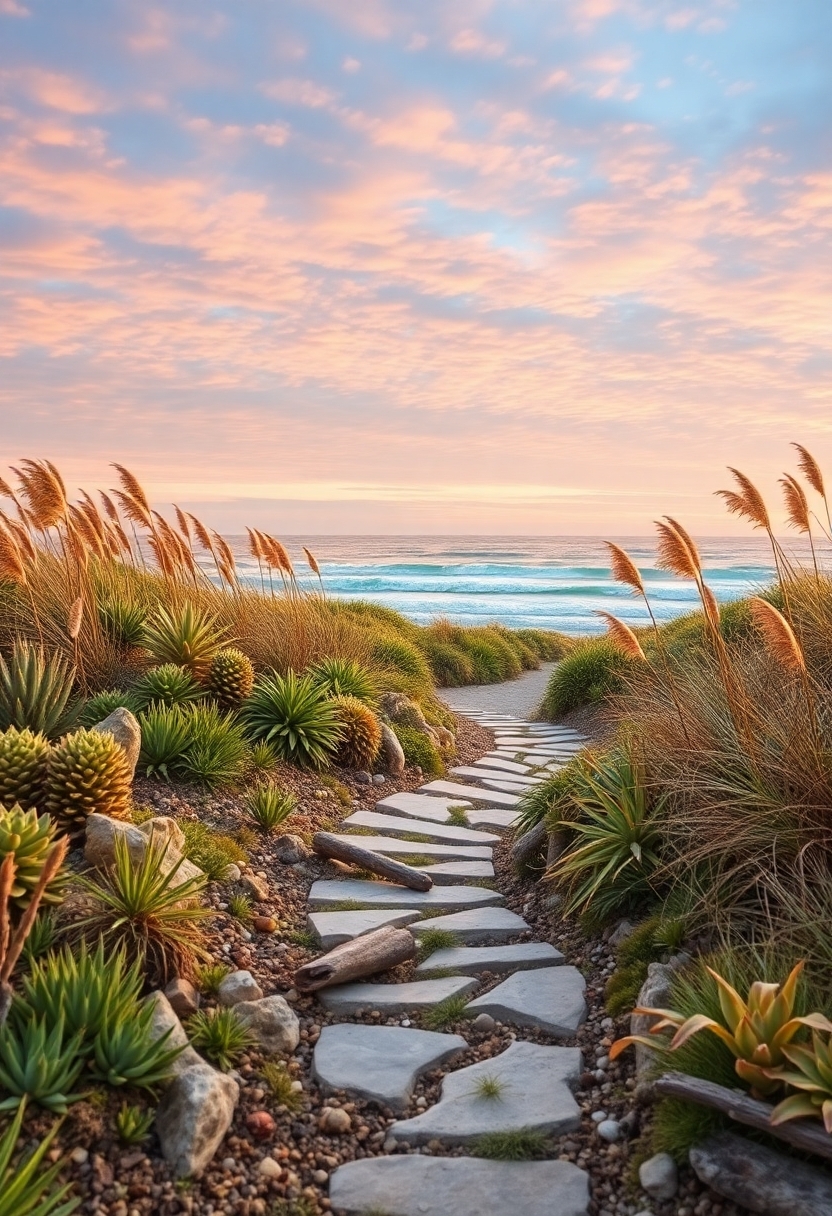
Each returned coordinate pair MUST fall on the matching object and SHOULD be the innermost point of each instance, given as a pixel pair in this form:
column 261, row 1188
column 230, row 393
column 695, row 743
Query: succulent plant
column 344, row 678
column 184, row 636
column 220, row 1034
column 165, row 738
column 22, row 767
column 123, row 622
column 39, row 1063
column 166, row 685
column 811, row 1074
column 30, row 838
column 361, row 733
column 87, row 772
column 231, row 678
column 270, row 806
column 294, row 716
column 102, row 704
column 126, row 1053
column 83, row 989
column 133, row 1124
column 29, row 1186
column 35, row 691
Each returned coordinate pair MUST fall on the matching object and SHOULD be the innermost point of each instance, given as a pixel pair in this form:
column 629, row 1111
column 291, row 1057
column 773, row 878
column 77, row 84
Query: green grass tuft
column 526, row 1144
column 435, row 939
column 445, row 1013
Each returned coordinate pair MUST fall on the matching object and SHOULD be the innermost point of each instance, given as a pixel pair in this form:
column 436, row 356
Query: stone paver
column 534, row 1093
column 473, row 960
column 328, row 891
column 494, row 762
column 509, row 787
column 379, row 1063
column 333, row 928
column 395, row 998
column 477, row 926
column 480, row 774
column 446, row 873
column 552, row 999
column 391, row 847
column 439, row 832
column 470, row 792
column 419, row 806
column 462, row 1186
column 493, row 817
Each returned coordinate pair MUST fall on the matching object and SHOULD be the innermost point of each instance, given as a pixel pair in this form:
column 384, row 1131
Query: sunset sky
column 506, row 266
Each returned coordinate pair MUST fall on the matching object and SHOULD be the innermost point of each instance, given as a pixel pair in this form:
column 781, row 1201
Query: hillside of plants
column 703, row 829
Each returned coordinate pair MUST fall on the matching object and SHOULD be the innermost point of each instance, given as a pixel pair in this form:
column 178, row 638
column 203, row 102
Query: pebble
column 484, row 1022
column 334, row 1120
column 79, row 1155
column 609, row 1130
column 379, row 779
column 269, row 1168
column 598, row 1116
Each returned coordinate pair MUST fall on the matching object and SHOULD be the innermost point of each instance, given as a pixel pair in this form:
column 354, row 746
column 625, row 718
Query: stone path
column 449, row 828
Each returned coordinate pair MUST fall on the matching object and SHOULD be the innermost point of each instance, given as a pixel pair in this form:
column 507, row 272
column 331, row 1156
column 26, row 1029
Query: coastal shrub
column 87, row 772
column 360, row 733
column 295, row 717
column 35, row 691
column 217, row 751
column 450, row 666
column 184, row 635
column 344, row 678
column 592, row 671
column 98, row 707
column 395, row 656
column 165, row 739
column 546, row 644
column 419, row 750
column 167, row 684
column 123, row 621
column 23, row 756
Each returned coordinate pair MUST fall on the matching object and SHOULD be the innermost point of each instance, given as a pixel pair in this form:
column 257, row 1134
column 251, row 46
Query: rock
column 233, row 873
column 621, row 932
column 102, row 832
column 328, row 891
column 265, row 924
column 379, row 778
column 484, row 1023
column 761, row 1179
column 255, row 886
column 659, row 1176
column 395, row 998
column 556, row 843
column 471, row 960
column 528, row 849
column 445, row 737
column 362, row 777
column 183, row 997
column 164, row 1019
column 239, row 986
column 261, row 1124
column 654, row 994
column 401, row 848
column 333, row 928
column 417, row 1185
column 476, row 925
column 391, row 753
column 193, row 1116
column 551, row 998
column 446, row 833
column 609, row 1130
column 334, row 1121
column 471, row 793
column 269, row 1168
column 412, row 805
column 125, row 729
column 290, row 849
column 273, row 1024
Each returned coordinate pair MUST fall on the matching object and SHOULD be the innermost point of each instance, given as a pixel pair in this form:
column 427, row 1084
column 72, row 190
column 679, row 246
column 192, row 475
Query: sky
column 495, row 266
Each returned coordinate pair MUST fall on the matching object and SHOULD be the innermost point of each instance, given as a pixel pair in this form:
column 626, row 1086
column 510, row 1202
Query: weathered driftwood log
column 327, row 845
column 528, row 849
column 377, row 951
column 558, row 840
column 801, row 1133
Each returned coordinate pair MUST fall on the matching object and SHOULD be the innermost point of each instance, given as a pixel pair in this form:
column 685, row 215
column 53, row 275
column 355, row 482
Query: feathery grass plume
column 5, row 489
column 623, row 568
column 810, row 469
column 797, row 511
column 201, row 533
column 109, row 507
column 11, row 561
column 75, row 618
column 12, row 942
column 21, row 535
column 43, row 492
column 182, row 520
column 749, row 504
column 674, row 554
column 687, row 539
column 80, row 525
column 131, row 486
column 133, row 510
column 778, row 634
column 255, row 548
column 622, row 635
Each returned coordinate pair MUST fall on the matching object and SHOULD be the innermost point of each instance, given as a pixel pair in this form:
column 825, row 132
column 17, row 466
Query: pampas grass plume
column 673, row 553
column 313, row 565
column 622, row 567
column 810, row 469
column 797, row 506
column 75, row 617
column 622, row 635
column 778, row 634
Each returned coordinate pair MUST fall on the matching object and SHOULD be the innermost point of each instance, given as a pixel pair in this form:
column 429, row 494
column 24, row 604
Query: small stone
column 379, row 779
column 484, row 1023
column 269, row 1168
column 659, row 1176
column 598, row 1116
column 621, row 932
column 228, row 1163
column 233, row 873
column 334, row 1121
column 239, row 986
column 183, row 997
column 273, row 1024
column 265, row 924
column 363, row 778
column 260, row 1124
column 321, row 1177
column 290, row 850
column 256, row 887
column 79, row 1156
column 609, row 1130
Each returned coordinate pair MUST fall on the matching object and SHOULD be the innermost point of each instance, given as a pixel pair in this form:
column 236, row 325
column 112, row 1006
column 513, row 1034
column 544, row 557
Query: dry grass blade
column 5, row 489
column 133, row 509
column 622, row 635
column 623, row 568
column 109, row 507
column 810, row 469
column 182, row 520
column 710, row 605
column 75, row 617
column 753, row 506
column 201, row 533
column 797, row 506
column 778, row 634
column 53, row 863
column 673, row 553
column 255, row 547
column 22, row 537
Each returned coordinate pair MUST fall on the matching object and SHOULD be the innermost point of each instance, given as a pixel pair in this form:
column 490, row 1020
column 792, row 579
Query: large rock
column 102, row 833
column 164, row 1019
column 239, row 986
column 551, row 999
column 761, row 1179
column 272, row 1022
column 193, row 1117
column 290, row 849
column 391, row 752
column 125, row 729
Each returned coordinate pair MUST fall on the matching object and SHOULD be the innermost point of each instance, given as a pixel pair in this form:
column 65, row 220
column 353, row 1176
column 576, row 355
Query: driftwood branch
column 327, row 845
column 377, row 951
column 528, row 849
column 800, row 1133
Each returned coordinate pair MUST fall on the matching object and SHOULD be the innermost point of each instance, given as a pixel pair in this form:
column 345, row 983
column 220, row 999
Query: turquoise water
column 545, row 582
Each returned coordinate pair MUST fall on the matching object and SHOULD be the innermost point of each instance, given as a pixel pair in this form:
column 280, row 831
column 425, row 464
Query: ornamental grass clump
column 186, row 636
column 269, row 806
column 220, row 1035
column 344, row 678
column 216, row 752
column 35, row 691
column 295, row 717
column 165, row 739
column 593, row 671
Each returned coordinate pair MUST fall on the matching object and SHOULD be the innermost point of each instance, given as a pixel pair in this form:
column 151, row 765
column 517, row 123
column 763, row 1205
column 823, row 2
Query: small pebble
column 269, row 1168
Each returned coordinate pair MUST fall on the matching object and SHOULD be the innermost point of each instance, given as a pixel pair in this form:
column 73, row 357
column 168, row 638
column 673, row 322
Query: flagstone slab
column 476, row 926
column 333, row 928
column 446, row 873
column 492, row 817
column 509, row 787
column 470, row 792
column 534, row 1093
column 473, row 960
column 419, row 806
column 551, row 999
column 379, row 1063
column 440, row 833
column 413, row 996
column 494, row 762
column 328, row 891
column 414, row 1185
column 390, row 847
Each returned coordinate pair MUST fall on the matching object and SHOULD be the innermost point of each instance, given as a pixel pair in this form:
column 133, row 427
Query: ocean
column 541, row 582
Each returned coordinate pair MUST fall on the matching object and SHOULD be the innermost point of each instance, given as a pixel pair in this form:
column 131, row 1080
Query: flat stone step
column 392, row 825
column 333, row 928
column 477, row 926
column 534, row 1093
column 327, row 892
column 509, row 787
column 379, row 1063
column 470, row 792
column 419, row 806
column 487, row 776
column 414, row 1185
column 551, row 999
column 446, row 873
column 391, row 847
column 473, row 960
column 493, row 817
column 414, row 996
column 493, row 762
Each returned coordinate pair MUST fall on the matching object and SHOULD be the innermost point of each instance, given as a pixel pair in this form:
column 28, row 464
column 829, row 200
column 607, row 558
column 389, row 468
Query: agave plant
column 757, row 1031
column 167, row 684
column 133, row 1124
column 123, row 621
column 28, row 1185
column 35, row 691
column 40, row 1064
column 165, row 739
column 102, row 704
column 344, row 678
column 184, row 636
column 295, row 716
column 811, row 1074
column 125, row 1052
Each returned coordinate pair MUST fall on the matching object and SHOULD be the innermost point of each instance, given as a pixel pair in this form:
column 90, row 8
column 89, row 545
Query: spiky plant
column 39, row 1063
column 269, row 806
column 361, row 733
column 184, row 636
column 29, row 838
column 167, row 684
column 344, row 678
column 221, row 1035
column 123, row 621
column 293, row 715
column 81, row 988
column 87, row 772
column 209, row 977
column 231, row 678
column 217, row 750
column 35, row 690
column 28, row 1185
column 126, row 1053
column 133, row 1124
column 165, row 739
column 22, row 767
column 102, row 704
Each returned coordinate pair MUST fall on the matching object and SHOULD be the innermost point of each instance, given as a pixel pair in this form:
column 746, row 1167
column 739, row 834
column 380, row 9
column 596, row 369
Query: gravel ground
column 520, row 696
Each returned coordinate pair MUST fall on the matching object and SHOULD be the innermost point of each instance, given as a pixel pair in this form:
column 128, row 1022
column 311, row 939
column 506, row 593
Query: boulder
column 761, row 1179
column 163, row 830
column 193, row 1116
column 125, row 729
column 164, row 1020
column 102, row 832
column 290, row 849
column 183, row 997
column 659, row 1176
column 273, row 1024
column 391, row 753
column 239, row 986
column 396, row 707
